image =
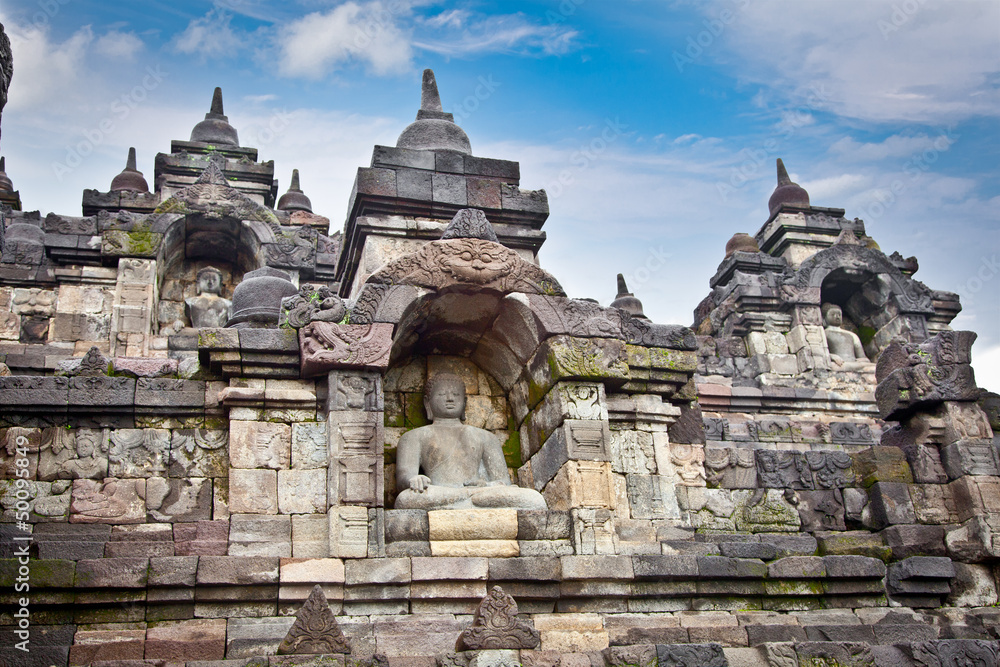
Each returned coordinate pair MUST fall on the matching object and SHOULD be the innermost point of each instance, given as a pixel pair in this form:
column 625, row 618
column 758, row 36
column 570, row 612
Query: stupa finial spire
column 130, row 162
column 783, row 178
column 217, row 102
column 430, row 99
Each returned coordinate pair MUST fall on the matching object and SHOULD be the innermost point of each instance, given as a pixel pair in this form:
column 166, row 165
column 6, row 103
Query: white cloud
column 119, row 45
column 211, row 36
column 351, row 33
column 897, row 145
column 45, row 71
column 510, row 33
column 836, row 187
column 940, row 64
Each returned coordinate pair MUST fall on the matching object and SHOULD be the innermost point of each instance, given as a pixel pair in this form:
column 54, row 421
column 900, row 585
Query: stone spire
column 5, row 183
column 787, row 192
column 130, row 180
column 626, row 300
column 434, row 129
column 294, row 200
column 215, row 129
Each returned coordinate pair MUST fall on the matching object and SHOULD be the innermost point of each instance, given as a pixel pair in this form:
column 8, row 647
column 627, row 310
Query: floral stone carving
column 496, row 626
column 315, row 629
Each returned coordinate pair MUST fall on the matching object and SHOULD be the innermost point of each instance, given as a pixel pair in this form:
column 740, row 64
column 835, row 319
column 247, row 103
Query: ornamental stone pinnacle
column 315, row 630
column 496, row 626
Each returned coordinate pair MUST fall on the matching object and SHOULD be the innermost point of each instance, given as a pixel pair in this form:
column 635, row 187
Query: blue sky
column 653, row 125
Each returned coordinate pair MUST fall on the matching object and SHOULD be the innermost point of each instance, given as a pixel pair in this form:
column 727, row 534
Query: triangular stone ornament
column 213, row 195
column 315, row 630
column 92, row 364
column 470, row 223
column 496, row 626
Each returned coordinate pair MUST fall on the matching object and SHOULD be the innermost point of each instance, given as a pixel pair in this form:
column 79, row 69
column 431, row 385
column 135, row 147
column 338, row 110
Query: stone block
column 914, row 540
column 259, row 445
column 310, row 448
column 253, row 637
column 853, row 567
column 356, row 480
column 652, row 497
column 173, row 571
column 720, row 567
column 237, row 571
column 253, row 491
column 377, row 571
column 882, row 464
column 112, row 573
column 406, row 525
column 543, row 525
column 691, row 655
column 356, row 433
column 113, row 645
column 71, row 541
column 665, row 567
column 196, row 639
column 890, row 504
column 256, row 535
column 484, row 524
column 449, row 189
column 302, row 491
column 310, row 536
column 446, row 569
column 179, row 500
column 970, row 457
column 202, row 538
column 348, row 530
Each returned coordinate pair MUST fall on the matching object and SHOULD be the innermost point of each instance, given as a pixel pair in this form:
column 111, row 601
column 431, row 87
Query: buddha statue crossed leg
column 451, row 465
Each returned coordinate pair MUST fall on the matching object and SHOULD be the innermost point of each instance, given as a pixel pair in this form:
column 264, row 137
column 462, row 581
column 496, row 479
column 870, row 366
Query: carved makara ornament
column 496, row 626
column 311, row 304
column 327, row 345
column 315, row 630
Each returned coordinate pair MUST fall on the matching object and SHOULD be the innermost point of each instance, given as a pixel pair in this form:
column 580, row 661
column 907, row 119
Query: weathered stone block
column 256, row 535
column 882, row 464
column 486, row 524
column 253, row 491
column 259, row 445
column 890, row 504
column 302, row 491
column 348, row 529
column 196, row 639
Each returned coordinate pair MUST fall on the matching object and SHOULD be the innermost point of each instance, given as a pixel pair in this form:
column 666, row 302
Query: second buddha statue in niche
column 208, row 309
column 451, row 465
column 846, row 351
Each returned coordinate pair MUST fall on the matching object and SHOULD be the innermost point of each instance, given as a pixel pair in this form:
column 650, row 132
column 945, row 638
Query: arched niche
column 193, row 241
column 878, row 298
column 487, row 406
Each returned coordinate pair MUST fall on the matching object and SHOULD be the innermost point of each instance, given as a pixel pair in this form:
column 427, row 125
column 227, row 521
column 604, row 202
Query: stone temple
column 234, row 432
